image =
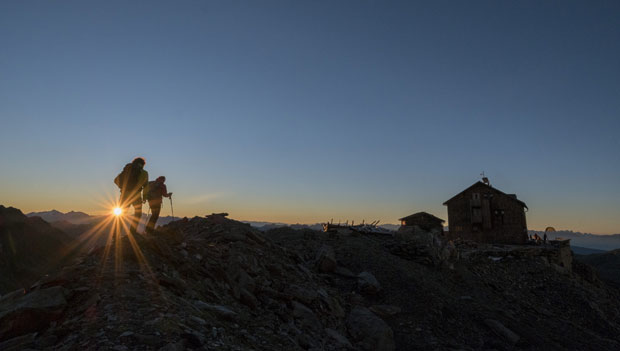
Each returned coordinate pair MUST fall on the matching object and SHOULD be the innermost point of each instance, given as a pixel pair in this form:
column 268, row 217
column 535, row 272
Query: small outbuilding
column 484, row 214
column 425, row 221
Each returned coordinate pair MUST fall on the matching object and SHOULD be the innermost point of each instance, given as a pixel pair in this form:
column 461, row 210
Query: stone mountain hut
column 425, row 221
column 484, row 214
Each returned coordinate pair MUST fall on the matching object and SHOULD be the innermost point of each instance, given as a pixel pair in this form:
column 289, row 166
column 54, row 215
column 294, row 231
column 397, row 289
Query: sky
column 304, row 111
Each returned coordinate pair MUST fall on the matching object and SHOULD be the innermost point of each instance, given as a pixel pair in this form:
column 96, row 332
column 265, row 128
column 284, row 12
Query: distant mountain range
column 578, row 250
column 60, row 219
column 586, row 240
column 56, row 216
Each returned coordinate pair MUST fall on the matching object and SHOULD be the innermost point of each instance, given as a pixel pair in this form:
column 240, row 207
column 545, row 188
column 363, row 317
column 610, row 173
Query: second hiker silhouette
column 132, row 181
column 155, row 192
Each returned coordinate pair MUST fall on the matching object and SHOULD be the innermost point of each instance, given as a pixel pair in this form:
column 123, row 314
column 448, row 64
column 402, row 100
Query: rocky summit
column 212, row 283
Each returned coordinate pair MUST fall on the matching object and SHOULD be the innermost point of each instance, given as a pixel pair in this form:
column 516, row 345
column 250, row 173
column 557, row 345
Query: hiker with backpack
column 156, row 191
column 132, row 181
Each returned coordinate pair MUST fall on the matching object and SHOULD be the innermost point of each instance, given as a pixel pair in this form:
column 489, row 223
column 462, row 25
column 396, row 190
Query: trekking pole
column 171, row 208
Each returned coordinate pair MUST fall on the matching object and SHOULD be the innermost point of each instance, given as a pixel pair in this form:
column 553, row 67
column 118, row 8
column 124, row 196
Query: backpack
column 155, row 190
column 129, row 177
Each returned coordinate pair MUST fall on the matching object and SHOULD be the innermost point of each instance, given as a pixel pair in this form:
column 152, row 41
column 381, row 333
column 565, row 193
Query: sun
column 117, row 211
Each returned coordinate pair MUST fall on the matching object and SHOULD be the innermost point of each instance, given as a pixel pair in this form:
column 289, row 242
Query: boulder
column 345, row 272
column 326, row 259
column 502, row 331
column 306, row 319
column 173, row 283
column 31, row 312
column 449, row 252
column 8, row 298
column 18, row 343
column 301, row 294
column 369, row 331
column 222, row 312
column 338, row 339
column 384, row 311
column 368, row 284
column 332, row 303
column 178, row 346
column 248, row 299
column 245, row 281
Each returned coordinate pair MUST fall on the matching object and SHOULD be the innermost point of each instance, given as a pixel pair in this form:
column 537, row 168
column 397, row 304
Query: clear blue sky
column 302, row 111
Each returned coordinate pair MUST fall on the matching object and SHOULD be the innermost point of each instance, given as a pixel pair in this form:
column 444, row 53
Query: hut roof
column 479, row 183
column 422, row 215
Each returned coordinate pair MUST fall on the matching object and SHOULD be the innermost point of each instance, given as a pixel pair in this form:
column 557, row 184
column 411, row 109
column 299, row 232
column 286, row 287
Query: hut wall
column 483, row 214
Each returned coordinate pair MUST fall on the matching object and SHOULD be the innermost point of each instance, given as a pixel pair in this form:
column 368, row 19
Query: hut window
column 499, row 216
column 475, row 200
column 476, row 215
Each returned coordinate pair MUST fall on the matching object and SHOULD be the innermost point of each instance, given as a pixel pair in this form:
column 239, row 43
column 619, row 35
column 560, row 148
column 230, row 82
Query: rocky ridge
column 214, row 283
column 29, row 248
column 200, row 283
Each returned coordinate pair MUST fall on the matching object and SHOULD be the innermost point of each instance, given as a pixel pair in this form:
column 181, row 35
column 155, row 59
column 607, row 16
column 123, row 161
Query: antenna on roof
column 485, row 180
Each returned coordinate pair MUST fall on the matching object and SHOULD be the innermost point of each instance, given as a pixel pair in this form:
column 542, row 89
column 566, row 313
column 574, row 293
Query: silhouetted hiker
column 545, row 238
column 131, row 181
column 155, row 192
